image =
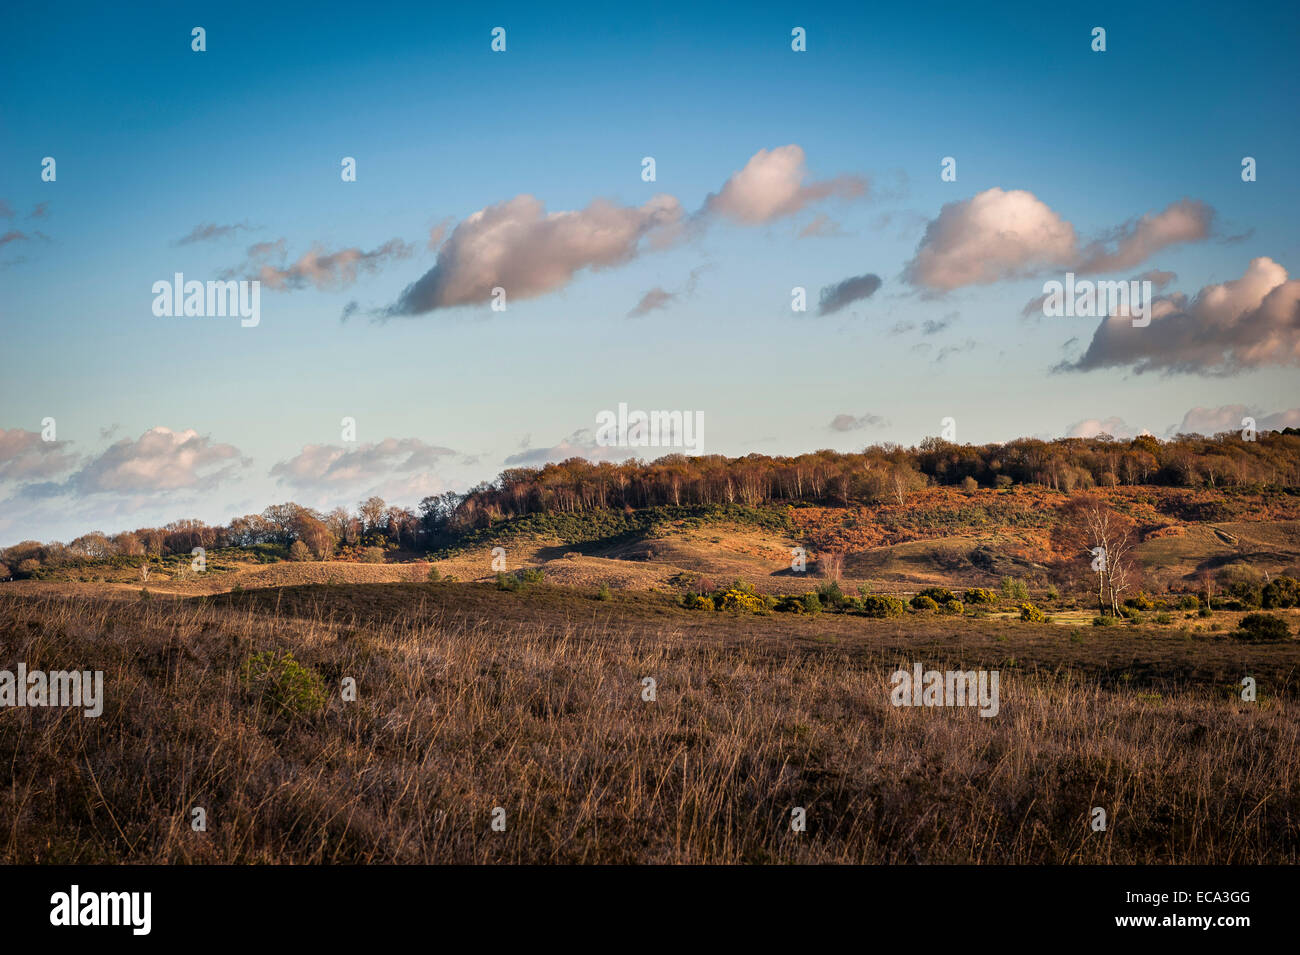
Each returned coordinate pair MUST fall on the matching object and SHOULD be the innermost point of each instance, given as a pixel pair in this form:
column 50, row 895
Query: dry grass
column 462, row 710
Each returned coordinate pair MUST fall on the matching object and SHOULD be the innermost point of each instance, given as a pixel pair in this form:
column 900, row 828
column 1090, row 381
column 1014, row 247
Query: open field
column 471, row 698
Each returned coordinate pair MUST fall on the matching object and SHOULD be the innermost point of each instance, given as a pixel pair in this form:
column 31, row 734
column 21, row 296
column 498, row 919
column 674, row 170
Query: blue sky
column 153, row 140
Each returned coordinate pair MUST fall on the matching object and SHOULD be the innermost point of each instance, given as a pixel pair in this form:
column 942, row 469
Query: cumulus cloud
column 24, row 456
column 1187, row 220
column 159, row 460
column 1247, row 323
column 207, row 231
column 1000, row 234
column 835, row 297
column 316, row 267
column 848, row 422
column 1113, row 426
column 438, row 233
column 771, row 185
column 1211, row 421
column 994, row 235
column 518, row 246
column 324, row 466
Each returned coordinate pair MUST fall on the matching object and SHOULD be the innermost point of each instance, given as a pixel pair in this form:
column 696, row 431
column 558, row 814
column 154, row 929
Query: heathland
column 663, row 661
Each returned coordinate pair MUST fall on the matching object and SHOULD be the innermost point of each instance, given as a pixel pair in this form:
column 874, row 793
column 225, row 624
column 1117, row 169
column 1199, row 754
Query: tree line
column 880, row 474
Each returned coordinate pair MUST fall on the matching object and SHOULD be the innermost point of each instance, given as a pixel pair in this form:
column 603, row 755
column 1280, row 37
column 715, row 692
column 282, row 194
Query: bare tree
column 1091, row 534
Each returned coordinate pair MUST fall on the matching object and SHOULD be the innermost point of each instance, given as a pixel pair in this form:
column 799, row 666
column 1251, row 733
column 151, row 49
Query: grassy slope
column 471, row 698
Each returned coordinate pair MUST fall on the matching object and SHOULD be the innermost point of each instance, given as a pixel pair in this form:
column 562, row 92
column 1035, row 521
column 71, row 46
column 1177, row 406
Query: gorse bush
column 922, row 602
column 740, row 601
column 1140, row 601
column 978, row 595
column 882, row 605
column 940, row 595
column 1031, row 614
column 1263, row 627
column 283, row 685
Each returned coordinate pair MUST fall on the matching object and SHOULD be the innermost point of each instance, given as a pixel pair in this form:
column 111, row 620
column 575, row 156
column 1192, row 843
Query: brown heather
column 471, row 698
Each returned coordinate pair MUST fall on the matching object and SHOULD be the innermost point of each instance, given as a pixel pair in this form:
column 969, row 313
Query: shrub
column 604, row 592
column 1015, row 589
column 922, row 602
column 969, row 484
column 508, row 582
column 1139, row 602
column 1031, row 614
column 1103, row 621
column 1189, row 602
column 953, row 607
column 882, row 605
column 1262, row 626
column 697, row 602
column 299, row 551
column 940, row 595
column 789, row 604
column 284, row 685
column 811, row 603
column 978, row 595
column 1278, row 593
column 372, row 555
column 531, row 575
column 740, row 601
column 434, row 575
column 1164, row 619
column 832, row 596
